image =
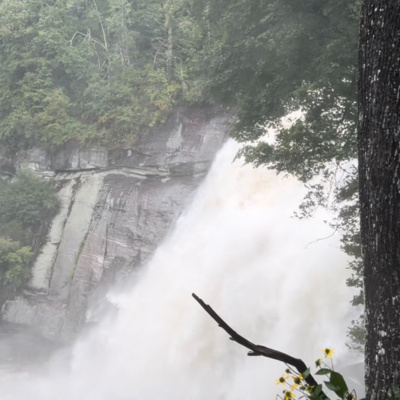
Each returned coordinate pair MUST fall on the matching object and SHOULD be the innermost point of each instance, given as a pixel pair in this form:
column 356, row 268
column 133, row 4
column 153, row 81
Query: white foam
column 265, row 273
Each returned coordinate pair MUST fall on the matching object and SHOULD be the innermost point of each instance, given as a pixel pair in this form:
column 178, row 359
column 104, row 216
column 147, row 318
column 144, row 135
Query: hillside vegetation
column 97, row 70
column 27, row 204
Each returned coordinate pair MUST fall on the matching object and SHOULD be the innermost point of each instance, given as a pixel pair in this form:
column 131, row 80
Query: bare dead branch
column 257, row 350
column 105, row 45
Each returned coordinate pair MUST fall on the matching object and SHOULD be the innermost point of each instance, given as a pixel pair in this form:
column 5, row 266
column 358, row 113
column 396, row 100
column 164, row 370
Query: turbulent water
column 237, row 247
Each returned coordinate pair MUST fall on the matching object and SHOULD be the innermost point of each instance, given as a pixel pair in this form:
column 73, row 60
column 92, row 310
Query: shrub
column 27, row 199
column 14, row 263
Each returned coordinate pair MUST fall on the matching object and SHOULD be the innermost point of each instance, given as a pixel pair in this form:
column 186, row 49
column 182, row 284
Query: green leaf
column 306, row 373
column 331, row 386
column 316, row 394
column 338, row 381
column 323, row 371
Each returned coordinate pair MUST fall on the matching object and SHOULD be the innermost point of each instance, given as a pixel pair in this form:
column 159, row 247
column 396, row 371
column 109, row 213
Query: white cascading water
column 237, row 247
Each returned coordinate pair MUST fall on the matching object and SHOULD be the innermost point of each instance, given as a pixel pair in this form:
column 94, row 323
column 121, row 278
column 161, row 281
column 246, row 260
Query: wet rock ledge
column 117, row 206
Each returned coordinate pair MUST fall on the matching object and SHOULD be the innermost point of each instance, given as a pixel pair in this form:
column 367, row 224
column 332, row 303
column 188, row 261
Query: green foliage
column 394, row 393
column 67, row 69
column 297, row 383
column 139, row 99
column 267, row 59
column 357, row 333
column 14, row 263
column 54, row 124
column 27, row 199
column 26, row 203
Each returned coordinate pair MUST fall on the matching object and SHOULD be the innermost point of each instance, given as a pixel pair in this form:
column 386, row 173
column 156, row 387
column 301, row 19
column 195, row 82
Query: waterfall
column 238, row 248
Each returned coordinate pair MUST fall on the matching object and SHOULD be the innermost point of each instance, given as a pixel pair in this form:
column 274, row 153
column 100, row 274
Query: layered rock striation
column 116, row 207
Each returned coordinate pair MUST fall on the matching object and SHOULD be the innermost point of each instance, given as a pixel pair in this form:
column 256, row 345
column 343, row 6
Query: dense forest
column 98, row 71
column 101, row 70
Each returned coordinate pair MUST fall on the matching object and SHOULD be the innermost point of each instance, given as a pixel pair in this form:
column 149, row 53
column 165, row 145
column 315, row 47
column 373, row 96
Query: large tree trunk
column 379, row 163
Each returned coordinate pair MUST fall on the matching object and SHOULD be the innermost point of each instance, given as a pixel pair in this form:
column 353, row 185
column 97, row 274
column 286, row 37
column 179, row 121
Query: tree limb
column 257, row 350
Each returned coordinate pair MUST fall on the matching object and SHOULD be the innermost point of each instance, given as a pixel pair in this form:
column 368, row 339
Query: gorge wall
column 116, row 207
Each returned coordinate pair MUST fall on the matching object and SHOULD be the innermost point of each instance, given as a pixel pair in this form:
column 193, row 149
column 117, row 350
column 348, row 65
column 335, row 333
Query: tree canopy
column 103, row 70
column 267, row 59
column 97, row 70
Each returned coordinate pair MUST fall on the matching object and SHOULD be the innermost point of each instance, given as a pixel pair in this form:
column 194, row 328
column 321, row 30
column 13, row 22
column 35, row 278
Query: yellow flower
column 281, row 380
column 288, row 394
column 297, row 381
column 328, row 352
column 309, row 388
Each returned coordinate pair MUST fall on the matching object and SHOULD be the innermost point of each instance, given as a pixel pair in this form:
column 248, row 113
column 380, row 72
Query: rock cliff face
column 117, row 206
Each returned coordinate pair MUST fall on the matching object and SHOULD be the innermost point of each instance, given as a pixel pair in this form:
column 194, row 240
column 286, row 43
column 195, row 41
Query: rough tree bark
column 379, row 170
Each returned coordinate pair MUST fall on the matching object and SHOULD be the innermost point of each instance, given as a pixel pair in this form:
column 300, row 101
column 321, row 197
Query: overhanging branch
column 257, row 350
